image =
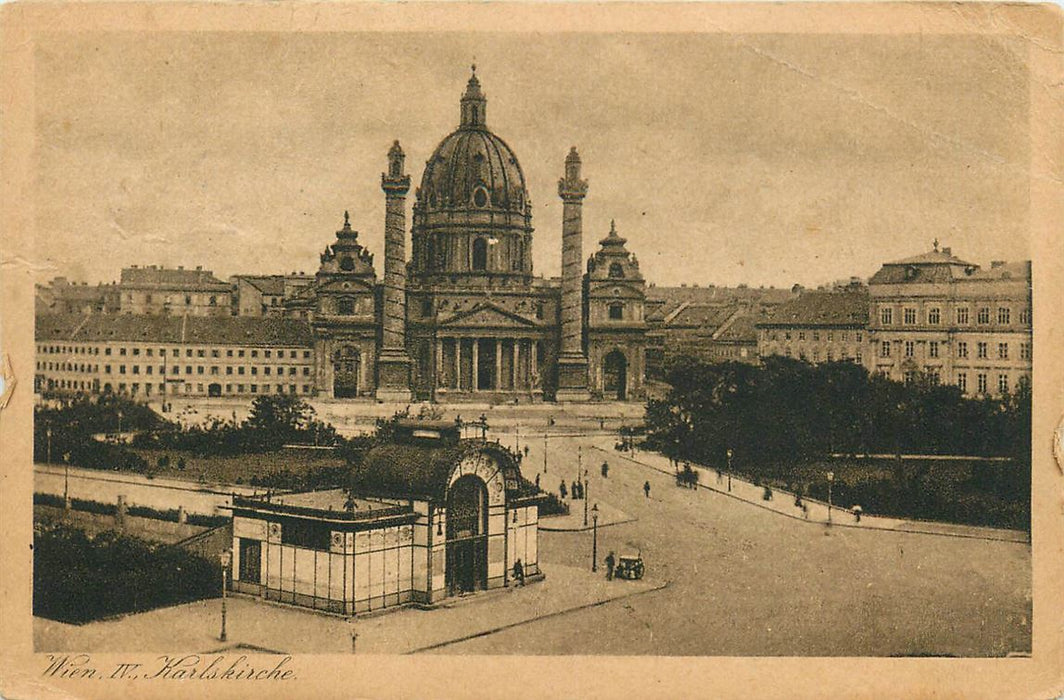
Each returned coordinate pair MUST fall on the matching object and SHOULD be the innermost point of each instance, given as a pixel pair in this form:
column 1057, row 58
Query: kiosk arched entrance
column 467, row 535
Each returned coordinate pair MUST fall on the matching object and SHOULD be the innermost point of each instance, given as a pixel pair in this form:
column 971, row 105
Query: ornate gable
column 487, row 315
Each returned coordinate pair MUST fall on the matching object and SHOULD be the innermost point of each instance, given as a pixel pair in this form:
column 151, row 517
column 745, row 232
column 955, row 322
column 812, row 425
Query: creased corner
column 7, row 381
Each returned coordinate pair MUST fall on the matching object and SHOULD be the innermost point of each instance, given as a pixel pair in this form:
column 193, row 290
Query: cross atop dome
column 474, row 104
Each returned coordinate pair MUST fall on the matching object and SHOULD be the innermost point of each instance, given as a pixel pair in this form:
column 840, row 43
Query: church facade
column 463, row 316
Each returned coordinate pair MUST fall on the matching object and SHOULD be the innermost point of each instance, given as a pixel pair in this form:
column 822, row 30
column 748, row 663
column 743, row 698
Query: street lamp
column 544, row 451
column 48, row 433
column 594, row 538
column 225, row 558
column 831, row 478
column 584, row 497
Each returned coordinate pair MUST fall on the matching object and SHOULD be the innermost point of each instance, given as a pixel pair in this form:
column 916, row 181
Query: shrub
column 77, row 579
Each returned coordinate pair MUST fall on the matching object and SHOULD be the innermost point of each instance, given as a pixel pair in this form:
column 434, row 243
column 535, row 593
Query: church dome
column 472, row 168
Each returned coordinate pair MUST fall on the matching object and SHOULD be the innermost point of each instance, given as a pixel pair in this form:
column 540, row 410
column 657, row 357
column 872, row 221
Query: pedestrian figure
column 519, row 573
column 561, row 489
column 605, row 469
column 857, row 513
column 720, row 475
column 526, row 450
column 537, row 480
column 610, row 561
column 575, row 489
column 646, row 488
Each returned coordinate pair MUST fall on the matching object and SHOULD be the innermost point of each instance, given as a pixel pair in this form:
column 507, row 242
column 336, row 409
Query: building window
column 910, row 376
column 857, row 357
column 306, row 371
column 962, row 349
column 1003, row 383
column 616, row 271
column 934, row 377
column 240, row 370
column 910, row 348
column 910, row 316
column 1004, row 314
column 984, row 315
column 306, row 534
column 1025, row 351
column 934, row 316
column 480, row 254
column 213, row 301
column 858, row 336
column 816, row 335
column 886, row 316
column 201, row 353
column 254, row 353
column 266, row 370
column 188, row 352
column 228, row 370
column 346, row 306
column 267, row 353
column 121, row 369
column 962, row 382
column 962, row 316
column 1003, row 351
column 1025, row 317
column 616, row 312
column 228, row 353
column 306, row 354
column 188, row 369
column 884, row 349
column 199, row 369
column 981, row 382
column 932, row 348
column 801, row 335
column 980, row 350
column 255, row 370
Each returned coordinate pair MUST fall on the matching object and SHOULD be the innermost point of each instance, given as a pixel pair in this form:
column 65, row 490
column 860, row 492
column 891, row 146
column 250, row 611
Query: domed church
column 465, row 317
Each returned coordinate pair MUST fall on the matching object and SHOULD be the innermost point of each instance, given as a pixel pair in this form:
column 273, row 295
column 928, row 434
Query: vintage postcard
column 531, row 350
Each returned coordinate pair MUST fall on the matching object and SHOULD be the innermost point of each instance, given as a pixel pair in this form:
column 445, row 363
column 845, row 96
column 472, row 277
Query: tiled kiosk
column 425, row 517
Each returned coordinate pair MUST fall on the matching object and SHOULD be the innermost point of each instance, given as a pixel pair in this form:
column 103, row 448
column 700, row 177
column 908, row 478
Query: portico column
column 534, row 349
column 475, row 384
column 458, row 363
column 439, row 362
column 515, row 349
column 498, row 364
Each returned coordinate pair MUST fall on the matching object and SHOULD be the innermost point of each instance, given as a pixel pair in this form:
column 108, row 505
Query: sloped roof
column 822, row 308
column 205, row 330
column 743, row 329
column 406, row 470
column 267, row 284
column 933, row 257
column 169, row 278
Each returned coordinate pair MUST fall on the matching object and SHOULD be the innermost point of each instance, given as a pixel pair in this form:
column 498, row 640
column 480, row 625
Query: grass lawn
column 969, row 492
column 239, row 469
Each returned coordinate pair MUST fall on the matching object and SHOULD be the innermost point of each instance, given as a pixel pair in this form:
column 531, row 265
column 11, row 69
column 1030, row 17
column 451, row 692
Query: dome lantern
column 474, row 104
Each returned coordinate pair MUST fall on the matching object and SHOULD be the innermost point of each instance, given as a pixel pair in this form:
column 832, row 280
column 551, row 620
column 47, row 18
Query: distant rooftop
column 822, row 308
column 204, row 330
column 171, row 278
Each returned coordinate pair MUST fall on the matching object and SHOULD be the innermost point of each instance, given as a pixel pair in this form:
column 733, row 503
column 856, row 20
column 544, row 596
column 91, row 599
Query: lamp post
column 544, row 451
column 225, row 558
column 729, row 469
column 66, row 479
column 583, row 496
column 119, row 425
column 594, row 538
column 48, row 433
column 831, row 478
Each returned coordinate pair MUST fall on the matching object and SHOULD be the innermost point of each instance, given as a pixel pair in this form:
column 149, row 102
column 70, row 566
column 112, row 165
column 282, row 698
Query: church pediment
column 487, row 316
column 615, row 289
column 350, row 285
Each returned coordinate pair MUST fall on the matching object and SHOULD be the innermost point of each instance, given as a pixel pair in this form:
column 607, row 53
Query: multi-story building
column 155, row 290
column 710, row 323
column 818, row 326
column 953, row 322
column 265, row 295
column 60, row 296
column 149, row 357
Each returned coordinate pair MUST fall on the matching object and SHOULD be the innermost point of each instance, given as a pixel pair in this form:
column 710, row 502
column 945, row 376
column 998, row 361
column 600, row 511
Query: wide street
column 747, row 581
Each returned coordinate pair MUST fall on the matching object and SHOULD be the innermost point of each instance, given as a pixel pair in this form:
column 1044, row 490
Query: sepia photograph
column 465, row 342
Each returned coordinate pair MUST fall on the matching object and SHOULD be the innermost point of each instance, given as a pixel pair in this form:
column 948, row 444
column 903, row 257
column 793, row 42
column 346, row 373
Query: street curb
column 500, row 628
column 822, row 522
column 584, row 529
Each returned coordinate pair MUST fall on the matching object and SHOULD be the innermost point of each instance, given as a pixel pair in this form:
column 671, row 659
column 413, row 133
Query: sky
column 724, row 159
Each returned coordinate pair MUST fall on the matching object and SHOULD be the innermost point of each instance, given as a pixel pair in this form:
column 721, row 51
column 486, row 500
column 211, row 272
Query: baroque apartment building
column 953, row 321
